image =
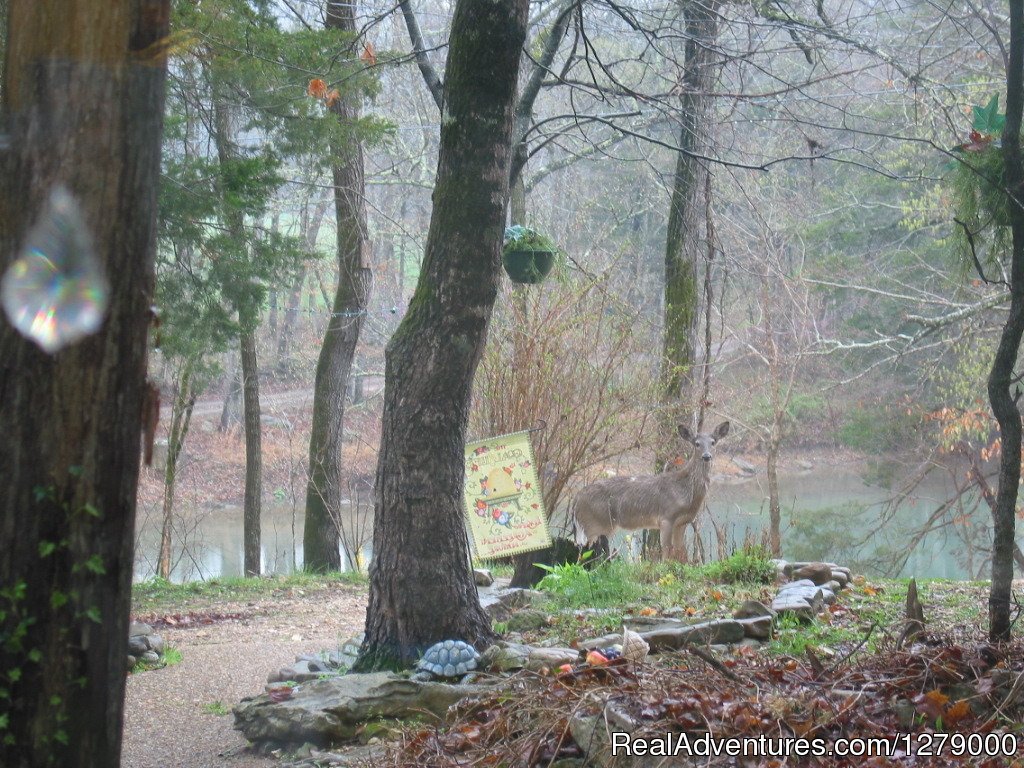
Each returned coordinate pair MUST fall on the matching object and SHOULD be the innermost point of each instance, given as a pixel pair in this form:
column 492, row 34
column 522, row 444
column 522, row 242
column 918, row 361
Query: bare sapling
column 668, row 502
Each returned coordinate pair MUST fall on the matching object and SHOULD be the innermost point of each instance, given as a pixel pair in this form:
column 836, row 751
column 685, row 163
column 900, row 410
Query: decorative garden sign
column 504, row 504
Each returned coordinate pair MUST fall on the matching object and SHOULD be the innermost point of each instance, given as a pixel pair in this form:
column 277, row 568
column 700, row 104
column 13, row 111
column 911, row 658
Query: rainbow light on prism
column 55, row 292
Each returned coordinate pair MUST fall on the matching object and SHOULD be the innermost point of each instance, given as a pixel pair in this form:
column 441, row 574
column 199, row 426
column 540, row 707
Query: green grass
column 158, row 595
column 171, row 657
column 588, row 603
column 218, row 708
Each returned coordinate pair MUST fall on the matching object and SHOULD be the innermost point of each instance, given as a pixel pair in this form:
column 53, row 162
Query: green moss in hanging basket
column 528, row 256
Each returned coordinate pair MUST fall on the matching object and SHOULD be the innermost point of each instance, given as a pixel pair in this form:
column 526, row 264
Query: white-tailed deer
column 667, row 502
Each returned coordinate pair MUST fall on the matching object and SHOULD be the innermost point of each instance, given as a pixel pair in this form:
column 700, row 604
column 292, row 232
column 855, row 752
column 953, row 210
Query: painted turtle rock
column 449, row 658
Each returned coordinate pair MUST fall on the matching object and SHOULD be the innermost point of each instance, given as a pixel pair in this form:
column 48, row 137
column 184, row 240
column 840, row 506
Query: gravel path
column 168, row 722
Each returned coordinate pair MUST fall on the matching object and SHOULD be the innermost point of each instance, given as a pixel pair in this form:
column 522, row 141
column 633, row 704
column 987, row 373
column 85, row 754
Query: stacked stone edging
column 144, row 645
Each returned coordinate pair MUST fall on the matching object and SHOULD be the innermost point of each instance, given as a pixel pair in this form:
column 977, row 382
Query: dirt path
column 171, row 714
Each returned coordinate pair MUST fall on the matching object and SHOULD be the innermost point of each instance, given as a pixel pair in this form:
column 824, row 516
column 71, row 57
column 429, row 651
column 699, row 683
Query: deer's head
column 703, row 443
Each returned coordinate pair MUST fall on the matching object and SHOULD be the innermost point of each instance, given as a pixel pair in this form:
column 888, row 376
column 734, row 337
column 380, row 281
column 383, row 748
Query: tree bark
column 323, row 493
column 232, row 391
column 83, row 104
column 683, row 253
column 1001, row 376
column 181, row 418
column 421, row 586
column 252, row 505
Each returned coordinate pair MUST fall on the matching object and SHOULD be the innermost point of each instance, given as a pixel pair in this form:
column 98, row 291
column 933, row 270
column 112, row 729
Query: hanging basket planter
column 528, row 256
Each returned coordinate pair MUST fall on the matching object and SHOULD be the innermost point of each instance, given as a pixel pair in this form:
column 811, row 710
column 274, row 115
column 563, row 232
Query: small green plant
column 172, row 656
column 750, row 565
column 216, row 708
column 500, row 627
column 520, row 238
column 611, row 583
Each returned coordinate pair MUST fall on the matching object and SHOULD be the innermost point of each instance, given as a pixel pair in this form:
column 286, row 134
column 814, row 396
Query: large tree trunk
column 83, row 102
column 421, row 586
column 683, row 251
column 253, row 454
column 1001, row 377
column 323, row 494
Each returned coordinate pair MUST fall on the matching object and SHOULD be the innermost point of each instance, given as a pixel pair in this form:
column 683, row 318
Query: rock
column 804, row 464
column 526, row 620
column 552, row 658
column 718, row 632
column 138, row 628
column 150, row 657
column 797, row 583
column 156, row 643
column 819, row 573
column 132, row 661
column 840, row 577
column 812, row 596
column 720, row 649
column 749, row 642
column 752, row 609
column 758, row 627
column 303, row 670
column 483, row 577
column 325, row 711
column 745, row 466
column 833, row 586
column 500, row 604
column 828, row 596
column 138, row 645
column 798, row 608
column 505, row 657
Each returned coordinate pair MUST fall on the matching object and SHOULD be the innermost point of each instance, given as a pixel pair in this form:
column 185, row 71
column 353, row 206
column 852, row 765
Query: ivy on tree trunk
column 83, row 103
column 421, row 585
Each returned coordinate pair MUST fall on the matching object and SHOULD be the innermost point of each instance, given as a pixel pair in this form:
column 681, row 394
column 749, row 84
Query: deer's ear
column 721, row 430
column 685, row 433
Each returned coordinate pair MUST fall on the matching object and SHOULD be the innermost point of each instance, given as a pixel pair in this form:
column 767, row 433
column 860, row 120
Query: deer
column 667, row 502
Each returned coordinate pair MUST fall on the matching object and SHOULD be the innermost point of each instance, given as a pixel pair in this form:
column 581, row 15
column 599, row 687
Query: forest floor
column 232, row 634
column 229, row 637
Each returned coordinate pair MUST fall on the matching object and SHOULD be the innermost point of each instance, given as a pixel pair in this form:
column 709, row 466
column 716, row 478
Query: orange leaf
column 648, row 612
column 317, row 88
column 959, row 711
column 690, row 610
column 715, row 594
column 369, row 56
column 332, row 97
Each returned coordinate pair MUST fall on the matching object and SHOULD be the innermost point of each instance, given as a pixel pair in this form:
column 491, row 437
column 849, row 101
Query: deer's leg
column 665, row 529
column 678, row 548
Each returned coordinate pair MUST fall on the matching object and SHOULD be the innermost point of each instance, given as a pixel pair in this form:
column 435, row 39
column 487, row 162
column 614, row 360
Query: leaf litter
column 935, row 689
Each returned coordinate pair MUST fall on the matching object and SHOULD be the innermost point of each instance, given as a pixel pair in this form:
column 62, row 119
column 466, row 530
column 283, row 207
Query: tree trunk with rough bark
column 683, row 251
column 83, row 104
column 1003, row 392
column 324, row 491
column 253, row 503
column 421, row 585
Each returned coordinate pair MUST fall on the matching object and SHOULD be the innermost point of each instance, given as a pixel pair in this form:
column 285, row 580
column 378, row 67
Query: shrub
column 879, row 428
column 751, row 565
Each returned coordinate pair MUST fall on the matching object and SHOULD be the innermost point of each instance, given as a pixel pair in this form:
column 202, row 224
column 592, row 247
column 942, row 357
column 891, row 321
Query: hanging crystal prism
column 55, row 292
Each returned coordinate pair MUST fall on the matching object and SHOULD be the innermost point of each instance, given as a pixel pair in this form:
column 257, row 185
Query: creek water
column 828, row 513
